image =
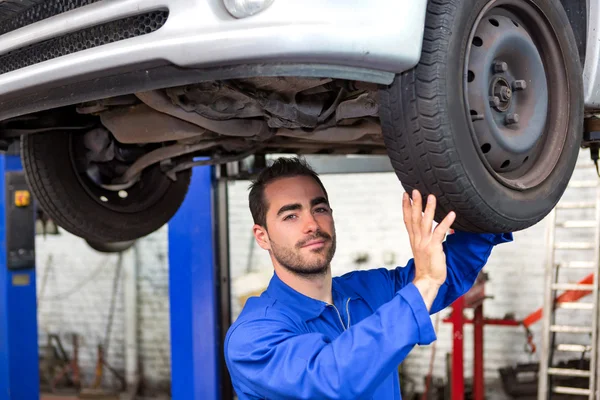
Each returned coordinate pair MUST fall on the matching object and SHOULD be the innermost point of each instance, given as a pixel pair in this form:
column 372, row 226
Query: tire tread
column 422, row 141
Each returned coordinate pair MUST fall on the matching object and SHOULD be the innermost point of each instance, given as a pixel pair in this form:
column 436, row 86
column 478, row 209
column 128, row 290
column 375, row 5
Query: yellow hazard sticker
column 22, row 198
column 21, row 280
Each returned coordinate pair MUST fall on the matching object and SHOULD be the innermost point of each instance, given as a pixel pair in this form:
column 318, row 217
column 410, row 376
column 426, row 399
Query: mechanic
column 311, row 336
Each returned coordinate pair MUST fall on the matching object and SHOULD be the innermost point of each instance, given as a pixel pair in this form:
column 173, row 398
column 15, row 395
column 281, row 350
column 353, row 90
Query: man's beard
column 293, row 261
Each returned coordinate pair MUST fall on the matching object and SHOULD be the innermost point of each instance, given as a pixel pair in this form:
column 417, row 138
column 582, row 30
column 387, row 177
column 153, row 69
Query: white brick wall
column 368, row 215
column 153, row 310
column 76, row 299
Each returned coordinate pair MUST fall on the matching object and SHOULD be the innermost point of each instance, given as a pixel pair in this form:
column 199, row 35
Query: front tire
column 449, row 124
column 72, row 200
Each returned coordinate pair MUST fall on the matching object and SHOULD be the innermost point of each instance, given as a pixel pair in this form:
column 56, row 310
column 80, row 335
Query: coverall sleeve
column 270, row 358
column 466, row 255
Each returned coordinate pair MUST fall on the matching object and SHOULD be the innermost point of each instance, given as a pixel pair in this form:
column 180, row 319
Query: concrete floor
column 55, row 397
column 90, row 396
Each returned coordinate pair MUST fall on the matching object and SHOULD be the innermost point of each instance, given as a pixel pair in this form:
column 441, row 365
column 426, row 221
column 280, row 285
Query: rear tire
column 63, row 195
column 444, row 135
column 115, row 247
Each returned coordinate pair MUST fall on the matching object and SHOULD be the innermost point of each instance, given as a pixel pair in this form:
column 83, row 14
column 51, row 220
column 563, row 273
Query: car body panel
column 378, row 35
column 591, row 70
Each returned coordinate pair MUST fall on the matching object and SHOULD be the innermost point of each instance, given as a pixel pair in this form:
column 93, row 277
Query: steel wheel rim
column 515, row 105
column 142, row 195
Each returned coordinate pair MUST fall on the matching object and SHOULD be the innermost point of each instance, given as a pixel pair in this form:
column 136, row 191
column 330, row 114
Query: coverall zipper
column 348, row 311
column 340, row 315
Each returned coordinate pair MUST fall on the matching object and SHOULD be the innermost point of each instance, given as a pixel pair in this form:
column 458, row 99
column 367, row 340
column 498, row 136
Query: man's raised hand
column 426, row 244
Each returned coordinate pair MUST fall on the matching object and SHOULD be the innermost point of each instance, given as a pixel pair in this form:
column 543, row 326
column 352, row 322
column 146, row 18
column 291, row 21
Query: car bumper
column 370, row 40
column 591, row 70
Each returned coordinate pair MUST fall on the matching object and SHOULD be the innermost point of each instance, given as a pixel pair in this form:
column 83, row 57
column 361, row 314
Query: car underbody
column 222, row 120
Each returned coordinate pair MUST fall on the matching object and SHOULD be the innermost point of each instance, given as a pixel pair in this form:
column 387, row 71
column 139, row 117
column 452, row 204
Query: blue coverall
column 285, row 345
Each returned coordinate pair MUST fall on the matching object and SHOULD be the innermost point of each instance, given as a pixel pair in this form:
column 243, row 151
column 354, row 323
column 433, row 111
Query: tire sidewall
column 51, row 176
column 531, row 204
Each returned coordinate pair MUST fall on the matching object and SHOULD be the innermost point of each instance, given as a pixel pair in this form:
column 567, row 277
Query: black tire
column 115, row 247
column 430, row 134
column 61, row 193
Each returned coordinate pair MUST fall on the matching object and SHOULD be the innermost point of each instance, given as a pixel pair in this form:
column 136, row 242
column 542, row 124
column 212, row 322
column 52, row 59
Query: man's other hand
column 426, row 244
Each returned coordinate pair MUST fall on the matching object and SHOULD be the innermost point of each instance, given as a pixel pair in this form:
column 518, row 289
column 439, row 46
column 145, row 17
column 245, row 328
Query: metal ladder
column 548, row 373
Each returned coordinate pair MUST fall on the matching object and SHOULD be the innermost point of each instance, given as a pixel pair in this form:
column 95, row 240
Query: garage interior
column 147, row 322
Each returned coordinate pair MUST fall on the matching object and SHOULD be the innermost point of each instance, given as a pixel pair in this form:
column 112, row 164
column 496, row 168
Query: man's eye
column 322, row 210
column 289, row 217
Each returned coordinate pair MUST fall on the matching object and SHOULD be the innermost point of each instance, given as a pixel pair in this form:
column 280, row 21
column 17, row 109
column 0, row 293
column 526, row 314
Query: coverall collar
column 306, row 307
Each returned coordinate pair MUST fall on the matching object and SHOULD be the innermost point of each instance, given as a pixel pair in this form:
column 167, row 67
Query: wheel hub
column 501, row 94
column 101, row 159
column 506, row 92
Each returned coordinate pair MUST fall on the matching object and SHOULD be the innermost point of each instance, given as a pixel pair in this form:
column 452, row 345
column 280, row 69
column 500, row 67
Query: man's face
column 300, row 230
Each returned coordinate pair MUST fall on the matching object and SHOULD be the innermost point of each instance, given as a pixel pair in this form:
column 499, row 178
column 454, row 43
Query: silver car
column 480, row 102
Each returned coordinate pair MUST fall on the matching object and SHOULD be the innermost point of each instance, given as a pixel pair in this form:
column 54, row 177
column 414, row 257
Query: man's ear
column 262, row 237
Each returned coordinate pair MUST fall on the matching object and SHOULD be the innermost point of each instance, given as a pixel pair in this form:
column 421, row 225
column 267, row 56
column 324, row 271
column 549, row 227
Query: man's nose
column 310, row 223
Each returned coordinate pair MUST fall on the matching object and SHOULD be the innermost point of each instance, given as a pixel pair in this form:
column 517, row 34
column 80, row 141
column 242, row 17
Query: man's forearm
column 428, row 289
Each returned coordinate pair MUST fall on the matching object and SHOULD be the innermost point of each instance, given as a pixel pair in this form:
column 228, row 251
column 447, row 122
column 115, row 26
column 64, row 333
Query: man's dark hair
column 281, row 168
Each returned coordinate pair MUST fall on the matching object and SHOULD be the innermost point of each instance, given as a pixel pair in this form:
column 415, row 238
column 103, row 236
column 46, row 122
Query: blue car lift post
column 199, row 289
column 19, row 360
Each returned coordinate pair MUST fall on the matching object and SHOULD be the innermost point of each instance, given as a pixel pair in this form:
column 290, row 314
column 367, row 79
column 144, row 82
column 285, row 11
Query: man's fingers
column 427, row 222
column 440, row 231
column 417, row 211
column 407, row 213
